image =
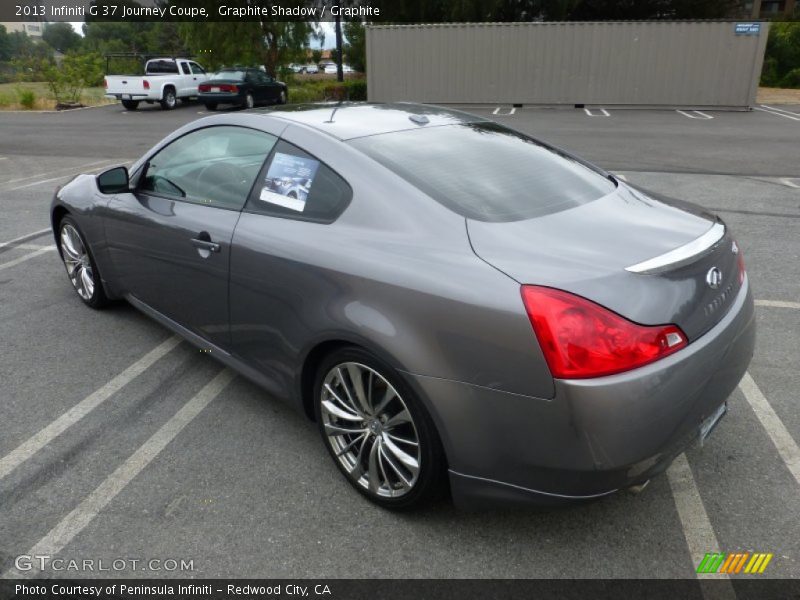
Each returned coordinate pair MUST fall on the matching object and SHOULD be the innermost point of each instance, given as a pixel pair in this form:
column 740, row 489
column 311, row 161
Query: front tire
column 377, row 431
column 170, row 100
column 79, row 263
column 282, row 97
column 130, row 104
column 249, row 101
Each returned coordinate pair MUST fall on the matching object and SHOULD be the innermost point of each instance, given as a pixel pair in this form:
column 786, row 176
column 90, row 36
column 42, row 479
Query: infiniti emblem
column 714, row 278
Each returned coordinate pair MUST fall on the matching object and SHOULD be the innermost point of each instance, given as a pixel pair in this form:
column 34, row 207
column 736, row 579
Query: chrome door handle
column 206, row 245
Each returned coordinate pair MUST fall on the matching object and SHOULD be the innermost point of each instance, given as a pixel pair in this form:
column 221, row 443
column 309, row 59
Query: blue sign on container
column 748, row 28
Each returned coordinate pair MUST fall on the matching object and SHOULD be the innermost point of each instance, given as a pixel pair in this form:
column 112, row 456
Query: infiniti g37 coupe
column 455, row 304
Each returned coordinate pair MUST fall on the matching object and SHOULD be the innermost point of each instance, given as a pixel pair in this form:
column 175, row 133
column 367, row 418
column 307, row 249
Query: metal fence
column 697, row 64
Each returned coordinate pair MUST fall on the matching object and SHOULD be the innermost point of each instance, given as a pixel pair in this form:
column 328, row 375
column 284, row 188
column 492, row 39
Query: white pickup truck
column 165, row 81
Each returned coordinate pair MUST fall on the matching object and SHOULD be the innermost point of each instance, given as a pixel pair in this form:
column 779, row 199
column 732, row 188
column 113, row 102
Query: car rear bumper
column 220, row 98
column 596, row 436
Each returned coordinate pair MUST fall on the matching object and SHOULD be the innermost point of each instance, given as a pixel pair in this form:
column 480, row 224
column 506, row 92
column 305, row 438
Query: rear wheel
column 377, row 431
column 130, row 104
column 81, row 268
column 170, row 100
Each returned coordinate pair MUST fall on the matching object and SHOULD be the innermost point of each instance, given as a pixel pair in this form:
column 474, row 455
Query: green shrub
column 357, row 89
column 27, row 98
column 782, row 60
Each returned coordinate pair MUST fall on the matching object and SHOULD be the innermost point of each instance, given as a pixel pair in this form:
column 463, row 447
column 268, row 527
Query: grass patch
column 17, row 96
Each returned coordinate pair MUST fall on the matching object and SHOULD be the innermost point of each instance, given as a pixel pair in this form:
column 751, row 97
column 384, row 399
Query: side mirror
column 114, row 181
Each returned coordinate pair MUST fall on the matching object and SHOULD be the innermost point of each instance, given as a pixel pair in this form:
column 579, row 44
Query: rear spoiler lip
column 681, row 255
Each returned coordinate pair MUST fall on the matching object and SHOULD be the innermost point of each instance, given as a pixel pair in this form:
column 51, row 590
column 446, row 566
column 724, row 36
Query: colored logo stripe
column 722, row 562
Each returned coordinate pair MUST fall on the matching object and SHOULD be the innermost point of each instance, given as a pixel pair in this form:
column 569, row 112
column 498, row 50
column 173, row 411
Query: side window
column 296, row 185
column 185, row 68
column 197, row 69
column 215, row 166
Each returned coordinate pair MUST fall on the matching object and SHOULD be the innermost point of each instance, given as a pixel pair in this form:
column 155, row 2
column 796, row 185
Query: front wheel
column 81, row 268
column 282, row 97
column 249, row 100
column 377, row 431
column 170, row 100
column 130, row 104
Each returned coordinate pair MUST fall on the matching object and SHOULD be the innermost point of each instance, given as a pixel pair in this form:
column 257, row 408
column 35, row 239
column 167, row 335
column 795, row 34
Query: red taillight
column 229, row 89
column 582, row 339
column 146, row 84
column 204, row 87
column 105, row 83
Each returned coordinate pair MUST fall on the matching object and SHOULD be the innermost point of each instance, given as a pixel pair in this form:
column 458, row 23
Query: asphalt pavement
column 117, row 441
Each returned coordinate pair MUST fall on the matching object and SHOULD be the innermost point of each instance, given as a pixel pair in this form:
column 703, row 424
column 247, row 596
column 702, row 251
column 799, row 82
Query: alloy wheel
column 249, row 101
column 76, row 260
column 370, row 430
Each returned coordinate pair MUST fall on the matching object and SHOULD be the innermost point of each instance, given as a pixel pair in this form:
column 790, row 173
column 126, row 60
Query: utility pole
column 756, row 9
column 339, row 71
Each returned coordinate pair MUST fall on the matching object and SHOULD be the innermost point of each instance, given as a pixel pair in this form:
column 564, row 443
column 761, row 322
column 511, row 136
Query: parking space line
column 703, row 116
column 77, row 520
column 38, row 441
column 789, row 181
column 783, row 110
column 697, row 529
column 26, row 257
column 780, row 436
column 83, row 166
column 778, row 303
column 777, row 114
column 26, row 237
column 510, row 112
column 620, row 176
column 603, row 112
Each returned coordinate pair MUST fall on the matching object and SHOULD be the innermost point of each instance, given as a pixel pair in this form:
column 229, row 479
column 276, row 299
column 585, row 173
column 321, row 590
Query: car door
column 170, row 238
column 294, row 201
column 265, row 86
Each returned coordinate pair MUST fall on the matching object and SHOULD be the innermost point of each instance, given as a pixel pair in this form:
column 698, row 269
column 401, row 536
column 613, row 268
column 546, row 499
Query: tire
column 282, row 97
column 130, row 104
column 405, row 476
column 170, row 100
column 211, row 105
column 249, row 101
column 81, row 268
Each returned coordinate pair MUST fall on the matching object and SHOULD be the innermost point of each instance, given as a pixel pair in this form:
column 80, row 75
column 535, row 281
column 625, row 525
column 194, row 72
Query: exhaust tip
column 638, row 489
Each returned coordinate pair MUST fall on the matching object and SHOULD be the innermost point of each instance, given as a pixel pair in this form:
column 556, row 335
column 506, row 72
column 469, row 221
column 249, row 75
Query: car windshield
column 486, row 172
column 234, row 75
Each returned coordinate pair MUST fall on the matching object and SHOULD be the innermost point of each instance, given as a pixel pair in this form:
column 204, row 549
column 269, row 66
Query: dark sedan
column 241, row 87
column 449, row 299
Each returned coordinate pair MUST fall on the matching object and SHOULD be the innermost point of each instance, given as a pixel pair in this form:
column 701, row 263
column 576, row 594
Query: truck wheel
column 130, row 104
column 169, row 101
column 211, row 105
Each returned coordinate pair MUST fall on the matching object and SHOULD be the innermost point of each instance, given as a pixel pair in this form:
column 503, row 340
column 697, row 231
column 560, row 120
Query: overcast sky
column 327, row 28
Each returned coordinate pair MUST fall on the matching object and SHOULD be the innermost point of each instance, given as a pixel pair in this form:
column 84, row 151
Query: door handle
column 205, row 245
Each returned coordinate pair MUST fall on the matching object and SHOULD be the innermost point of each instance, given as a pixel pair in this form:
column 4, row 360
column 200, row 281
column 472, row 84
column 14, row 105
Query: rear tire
column 170, row 100
column 394, row 457
column 79, row 263
column 130, row 104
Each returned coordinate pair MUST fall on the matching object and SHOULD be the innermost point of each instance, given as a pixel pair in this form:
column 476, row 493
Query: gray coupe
column 456, row 304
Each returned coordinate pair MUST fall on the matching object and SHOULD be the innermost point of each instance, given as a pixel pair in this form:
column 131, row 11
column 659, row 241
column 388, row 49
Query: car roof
column 348, row 120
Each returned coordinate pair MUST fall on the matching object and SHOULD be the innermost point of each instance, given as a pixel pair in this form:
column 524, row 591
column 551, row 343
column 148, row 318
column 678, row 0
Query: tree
column 61, row 37
column 5, row 45
column 316, row 56
column 356, row 48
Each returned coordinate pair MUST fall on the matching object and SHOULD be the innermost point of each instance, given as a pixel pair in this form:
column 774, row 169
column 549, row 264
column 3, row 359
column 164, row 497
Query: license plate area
column 126, row 96
column 215, row 89
column 708, row 425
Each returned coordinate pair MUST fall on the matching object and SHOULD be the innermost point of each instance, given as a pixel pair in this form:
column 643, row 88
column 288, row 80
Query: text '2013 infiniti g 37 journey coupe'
column 452, row 301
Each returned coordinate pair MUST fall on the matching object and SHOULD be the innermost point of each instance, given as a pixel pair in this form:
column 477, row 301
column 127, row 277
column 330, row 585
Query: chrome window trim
column 683, row 254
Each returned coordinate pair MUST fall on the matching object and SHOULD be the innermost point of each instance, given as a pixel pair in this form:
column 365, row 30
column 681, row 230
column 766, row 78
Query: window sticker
column 288, row 181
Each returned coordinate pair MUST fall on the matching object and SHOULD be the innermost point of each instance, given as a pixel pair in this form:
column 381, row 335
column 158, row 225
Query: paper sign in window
column 288, row 181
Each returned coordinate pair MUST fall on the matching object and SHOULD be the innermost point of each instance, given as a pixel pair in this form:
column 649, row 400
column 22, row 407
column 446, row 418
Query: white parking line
column 26, row 237
column 497, row 112
column 35, row 183
column 603, row 112
column 89, row 508
column 777, row 114
column 697, row 529
column 38, row 441
column 778, row 303
column 620, row 176
column 76, row 168
column 783, row 110
column 703, row 116
column 780, row 436
column 25, row 257
column 789, row 181
column 35, row 246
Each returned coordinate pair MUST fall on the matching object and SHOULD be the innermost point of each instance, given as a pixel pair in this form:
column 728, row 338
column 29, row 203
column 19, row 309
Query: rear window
column 486, row 172
column 233, row 75
column 162, row 67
